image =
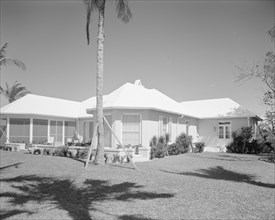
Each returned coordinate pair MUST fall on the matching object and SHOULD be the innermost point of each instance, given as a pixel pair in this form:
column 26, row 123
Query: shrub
column 199, row 147
column 240, row 142
column 158, row 151
column 173, row 149
column 243, row 142
column 154, row 141
column 161, row 139
column 184, row 141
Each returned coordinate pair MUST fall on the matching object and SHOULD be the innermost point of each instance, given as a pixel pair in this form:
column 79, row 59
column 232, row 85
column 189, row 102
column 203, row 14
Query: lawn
column 189, row 186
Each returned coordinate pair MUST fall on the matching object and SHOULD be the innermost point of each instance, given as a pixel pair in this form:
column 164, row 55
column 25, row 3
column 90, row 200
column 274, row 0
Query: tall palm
column 15, row 92
column 123, row 13
column 4, row 60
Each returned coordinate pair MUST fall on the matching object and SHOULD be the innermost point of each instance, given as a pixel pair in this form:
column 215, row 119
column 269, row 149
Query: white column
column 31, row 130
column 49, row 126
column 63, row 132
column 8, row 130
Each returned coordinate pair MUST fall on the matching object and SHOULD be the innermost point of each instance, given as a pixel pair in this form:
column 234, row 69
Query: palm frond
column 14, row 92
column 123, row 10
column 7, row 60
column 3, row 49
column 90, row 6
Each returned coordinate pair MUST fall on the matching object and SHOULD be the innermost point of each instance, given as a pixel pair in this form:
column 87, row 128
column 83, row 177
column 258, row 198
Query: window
column 40, row 131
column 70, row 128
column 3, row 131
column 131, row 130
column 187, row 127
column 19, row 130
column 165, row 125
column 56, row 131
column 224, row 130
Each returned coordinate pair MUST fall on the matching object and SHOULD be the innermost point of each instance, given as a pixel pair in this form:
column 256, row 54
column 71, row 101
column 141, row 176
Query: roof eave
column 89, row 110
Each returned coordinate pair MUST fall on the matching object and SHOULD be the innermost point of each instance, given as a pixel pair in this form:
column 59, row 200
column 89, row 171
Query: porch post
column 63, row 132
column 8, row 130
column 49, row 124
column 31, row 130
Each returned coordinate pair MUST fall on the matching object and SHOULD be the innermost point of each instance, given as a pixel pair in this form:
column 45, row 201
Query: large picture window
column 40, row 131
column 19, row 130
column 224, row 130
column 131, row 130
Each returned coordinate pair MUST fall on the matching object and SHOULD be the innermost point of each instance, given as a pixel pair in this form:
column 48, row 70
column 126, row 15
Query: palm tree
column 7, row 60
column 123, row 13
column 15, row 92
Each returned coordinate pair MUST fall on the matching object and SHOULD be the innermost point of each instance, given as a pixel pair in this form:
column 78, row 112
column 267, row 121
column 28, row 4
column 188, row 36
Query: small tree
column 14, row 92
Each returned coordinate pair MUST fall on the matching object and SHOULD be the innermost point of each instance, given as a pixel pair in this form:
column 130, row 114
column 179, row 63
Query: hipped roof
column 135, row 96
column 128, row 96
column 217, row 108
column 47, row 106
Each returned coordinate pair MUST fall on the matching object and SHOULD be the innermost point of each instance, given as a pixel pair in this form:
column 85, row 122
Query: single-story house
column 134, row 112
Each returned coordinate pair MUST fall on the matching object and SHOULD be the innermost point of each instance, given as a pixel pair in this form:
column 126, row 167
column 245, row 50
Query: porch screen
column 131, row 130
column 40, row 131
column 70, row 128
column 19, row 130
column 56, row 131
column 3, row 131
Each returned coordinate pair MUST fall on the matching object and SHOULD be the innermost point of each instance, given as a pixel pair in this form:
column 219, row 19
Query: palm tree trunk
column 99, row 158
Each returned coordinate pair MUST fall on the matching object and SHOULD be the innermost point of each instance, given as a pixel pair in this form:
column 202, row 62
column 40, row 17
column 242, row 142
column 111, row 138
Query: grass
column 189, row 186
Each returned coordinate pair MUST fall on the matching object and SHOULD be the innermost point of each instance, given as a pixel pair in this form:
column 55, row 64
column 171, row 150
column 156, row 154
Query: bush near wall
column 243, row 143
column 159, row 146
column 173, row 149
column 184, row 142
column 158, row 151
column 199, row 147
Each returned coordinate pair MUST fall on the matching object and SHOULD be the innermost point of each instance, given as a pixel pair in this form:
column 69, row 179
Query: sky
column 188, row 50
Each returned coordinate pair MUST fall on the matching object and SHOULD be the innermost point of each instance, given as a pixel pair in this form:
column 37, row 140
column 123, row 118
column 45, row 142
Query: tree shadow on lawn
column 134, row 217
column 64, row 194
column 9, row 166
column 227, row 158
column 219, row 173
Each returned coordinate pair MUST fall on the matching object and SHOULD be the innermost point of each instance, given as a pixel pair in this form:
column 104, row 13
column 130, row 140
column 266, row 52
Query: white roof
column 135, row 96
column 41, row 105
column 216, row 108
column 128, row 96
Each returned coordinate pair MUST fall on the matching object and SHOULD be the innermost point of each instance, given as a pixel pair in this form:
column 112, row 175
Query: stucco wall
column 188, row 125
column 208, row 130
column 150, row 124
